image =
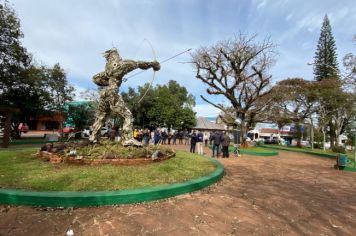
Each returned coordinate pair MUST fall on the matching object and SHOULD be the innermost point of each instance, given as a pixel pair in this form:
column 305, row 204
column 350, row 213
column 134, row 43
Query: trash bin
column 341, row 161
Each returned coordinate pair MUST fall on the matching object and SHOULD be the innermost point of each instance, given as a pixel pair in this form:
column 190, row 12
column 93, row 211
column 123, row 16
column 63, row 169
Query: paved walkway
column 290, row 194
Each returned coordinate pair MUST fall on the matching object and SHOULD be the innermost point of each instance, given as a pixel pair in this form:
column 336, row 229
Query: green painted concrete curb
column 331, row 156
column 302, row 151
column 100, row 198
column 254, row 153
column 348, row 168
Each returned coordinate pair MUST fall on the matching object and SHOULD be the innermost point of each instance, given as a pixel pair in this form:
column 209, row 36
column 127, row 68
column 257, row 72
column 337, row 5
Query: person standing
column 225, row 142
column 206, row 138
column 164, row 137
column 215, row 138
column 200, row 139
column 175, row 134
column 169, row 137
column 180, row 137
column 193, row 142
column 146, row 136
column 157, row 137
column 186, row 137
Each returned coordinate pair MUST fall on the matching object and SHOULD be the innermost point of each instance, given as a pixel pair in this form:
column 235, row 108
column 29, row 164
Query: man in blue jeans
column 216, row 140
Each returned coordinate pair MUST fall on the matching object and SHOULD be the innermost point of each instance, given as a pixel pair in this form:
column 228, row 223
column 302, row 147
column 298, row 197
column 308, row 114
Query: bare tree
column 237, row 69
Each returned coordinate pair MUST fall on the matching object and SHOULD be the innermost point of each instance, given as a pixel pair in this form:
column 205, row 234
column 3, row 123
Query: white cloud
column 262, row 4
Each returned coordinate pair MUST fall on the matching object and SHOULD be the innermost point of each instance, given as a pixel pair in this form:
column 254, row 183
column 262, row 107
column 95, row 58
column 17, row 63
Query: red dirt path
column 289, row 194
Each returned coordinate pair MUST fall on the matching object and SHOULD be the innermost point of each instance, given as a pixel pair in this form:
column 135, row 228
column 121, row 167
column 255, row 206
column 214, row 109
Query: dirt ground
column 289, row 194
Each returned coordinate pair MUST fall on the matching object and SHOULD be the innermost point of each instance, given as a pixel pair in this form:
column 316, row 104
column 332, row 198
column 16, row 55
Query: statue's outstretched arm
column 130, row 65
column 101, row 79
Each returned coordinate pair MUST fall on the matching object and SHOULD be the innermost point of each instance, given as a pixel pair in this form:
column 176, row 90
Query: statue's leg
column 122, row 110
column 100, row 118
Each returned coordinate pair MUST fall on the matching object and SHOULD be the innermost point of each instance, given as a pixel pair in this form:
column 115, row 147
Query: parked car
column 269, row 141
column 104, row 131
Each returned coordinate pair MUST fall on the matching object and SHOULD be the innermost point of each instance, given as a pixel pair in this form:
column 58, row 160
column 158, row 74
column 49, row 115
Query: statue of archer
column 110, row 99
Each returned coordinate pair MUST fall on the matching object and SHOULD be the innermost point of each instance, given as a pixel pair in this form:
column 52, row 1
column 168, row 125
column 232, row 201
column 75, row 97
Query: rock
column 132, row 142
column 108, row 155
column 59, row 146
column 84, row 143
column 73, row 152
column 48, row 147
column 155, row 155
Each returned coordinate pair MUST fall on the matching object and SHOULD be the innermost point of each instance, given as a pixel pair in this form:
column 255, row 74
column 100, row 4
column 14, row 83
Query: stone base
column 56, row 159
column 132, row 142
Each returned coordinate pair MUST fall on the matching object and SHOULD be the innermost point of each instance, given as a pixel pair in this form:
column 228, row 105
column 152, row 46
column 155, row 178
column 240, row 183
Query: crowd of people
column 196, row 140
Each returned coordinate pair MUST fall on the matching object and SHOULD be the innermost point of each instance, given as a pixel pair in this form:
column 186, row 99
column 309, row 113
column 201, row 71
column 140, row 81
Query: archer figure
column 110, row 99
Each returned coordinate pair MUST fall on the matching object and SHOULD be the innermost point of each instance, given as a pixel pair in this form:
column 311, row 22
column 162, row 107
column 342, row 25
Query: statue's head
column 112, row 54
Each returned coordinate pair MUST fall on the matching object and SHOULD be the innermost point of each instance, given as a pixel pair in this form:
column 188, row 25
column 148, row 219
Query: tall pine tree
column 325, row 59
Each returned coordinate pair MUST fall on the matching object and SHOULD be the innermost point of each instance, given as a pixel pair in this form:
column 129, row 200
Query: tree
column 60, row 91
column 172, row 105
column 295, row 101
column 81, row 115
column 14, row 58
column 325, row 59
column 167, row 105
column 349, row 62
column 237, row 69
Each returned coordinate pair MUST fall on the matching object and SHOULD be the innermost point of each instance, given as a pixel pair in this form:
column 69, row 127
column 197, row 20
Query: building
column 204, row 125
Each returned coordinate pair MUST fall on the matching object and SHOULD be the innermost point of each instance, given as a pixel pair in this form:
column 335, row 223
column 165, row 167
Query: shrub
column 259, row 143
column 339, row 149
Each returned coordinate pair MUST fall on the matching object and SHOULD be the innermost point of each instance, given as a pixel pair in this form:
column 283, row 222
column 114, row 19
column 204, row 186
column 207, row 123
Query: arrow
column 168, row 59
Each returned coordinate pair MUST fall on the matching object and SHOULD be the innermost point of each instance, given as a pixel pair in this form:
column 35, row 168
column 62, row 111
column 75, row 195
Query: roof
column 204, row 124
column 269, row 130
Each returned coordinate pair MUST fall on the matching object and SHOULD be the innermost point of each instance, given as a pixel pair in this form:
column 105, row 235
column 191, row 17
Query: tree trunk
column 324, row 137
column 332, row 134
column 312, row 134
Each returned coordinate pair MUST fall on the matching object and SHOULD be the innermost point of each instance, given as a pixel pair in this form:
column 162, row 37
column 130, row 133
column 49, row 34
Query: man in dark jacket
column 216, row 140
column 225, row 142
column 193, row 141
column 200, row 139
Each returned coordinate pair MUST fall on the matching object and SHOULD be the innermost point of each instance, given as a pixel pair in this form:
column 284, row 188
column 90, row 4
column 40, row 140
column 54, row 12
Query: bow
column 154, row 72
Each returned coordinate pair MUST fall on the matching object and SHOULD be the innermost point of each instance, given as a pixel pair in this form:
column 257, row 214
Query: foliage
column 237, row 69
column 80, row 115
column 294, row 100
column 59, row 89
column 19, row 168
column 14, row 58
column 25, row 85
column 167, row 105
column 325, row 60
column 116, row 150
column 338, row 149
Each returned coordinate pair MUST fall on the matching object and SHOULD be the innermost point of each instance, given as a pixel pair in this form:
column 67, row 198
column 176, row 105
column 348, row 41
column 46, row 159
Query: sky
column 75, row 33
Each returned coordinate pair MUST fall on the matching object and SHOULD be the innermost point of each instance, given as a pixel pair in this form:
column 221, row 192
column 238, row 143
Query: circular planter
column 100, row 198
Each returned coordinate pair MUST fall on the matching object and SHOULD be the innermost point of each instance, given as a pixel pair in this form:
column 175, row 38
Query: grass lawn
column 21, row 169
column 256, row 149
